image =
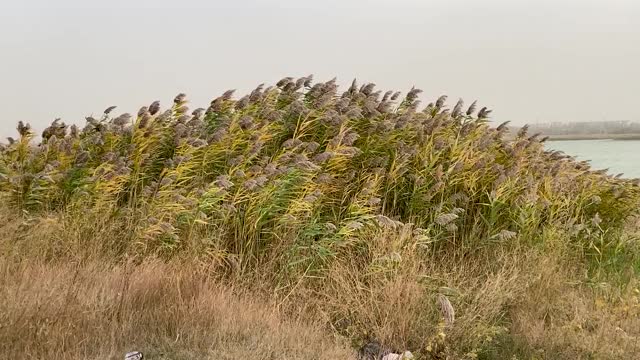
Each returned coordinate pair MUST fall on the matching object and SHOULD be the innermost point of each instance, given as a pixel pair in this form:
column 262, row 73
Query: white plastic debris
column 133, row 355
column 407, row 355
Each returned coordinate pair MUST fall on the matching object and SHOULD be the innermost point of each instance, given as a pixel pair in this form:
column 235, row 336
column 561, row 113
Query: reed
column 299, row 185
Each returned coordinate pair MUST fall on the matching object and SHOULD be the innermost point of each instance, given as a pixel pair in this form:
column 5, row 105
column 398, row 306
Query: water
column 620, row 156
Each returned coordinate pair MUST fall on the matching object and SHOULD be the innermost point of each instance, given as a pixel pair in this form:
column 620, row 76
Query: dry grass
column 97, row 310
column 509, row 302
column 559, row 320
column 398, row 303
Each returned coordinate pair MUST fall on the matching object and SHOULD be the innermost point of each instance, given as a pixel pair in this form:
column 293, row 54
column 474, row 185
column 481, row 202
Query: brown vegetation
column 520, row 303
column 91, row 309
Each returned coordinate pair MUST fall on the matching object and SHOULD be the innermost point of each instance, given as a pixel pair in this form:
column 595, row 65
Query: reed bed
column 360, row 208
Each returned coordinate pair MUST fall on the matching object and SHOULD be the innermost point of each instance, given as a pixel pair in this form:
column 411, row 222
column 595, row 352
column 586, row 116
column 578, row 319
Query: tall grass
column 304, row 163
column 96, row 310
column 360, row 206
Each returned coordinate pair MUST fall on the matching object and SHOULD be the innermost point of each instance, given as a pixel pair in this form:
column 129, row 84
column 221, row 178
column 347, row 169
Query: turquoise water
column 620, row 156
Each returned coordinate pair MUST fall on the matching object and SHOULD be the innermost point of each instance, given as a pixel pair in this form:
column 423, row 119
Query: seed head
column 180, row 98
column 82, row 158
column 236, row 160
column 291, row 143
column 308, row 80
column 180, row 130
column 270, row 169
column 223, row 182
column 143, row 110
column 484, row 113
column 505, row 235
column 261, row 180
column 386, row 96
column 523, row 131
column 457, row 110
column 243, row 102
column 246, row 122
column 23, row 129
column 74, row 131
column 256, row 94
column 312, row 146
column 250, row 184
column 154, row 107
column 350, row 138
column 144, row 121
column 368, row 88
column 108, row 110
column 444, row 219
column 353, row 112
column 533, row 137
column 354, row 87
column 440, row 102
column 446, row 309
column 472, row 108
column 122, row 120
column 284, row 81
column 373, row 201
column 197, row 113
column 227, row 94
column 412, row 95
column 503, row 126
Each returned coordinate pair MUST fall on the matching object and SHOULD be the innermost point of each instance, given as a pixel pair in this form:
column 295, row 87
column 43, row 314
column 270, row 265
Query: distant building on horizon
column 586, row 127
column 613, row 127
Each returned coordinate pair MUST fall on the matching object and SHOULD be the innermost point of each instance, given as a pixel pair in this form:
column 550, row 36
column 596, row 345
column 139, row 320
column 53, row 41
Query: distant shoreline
column 594, row 137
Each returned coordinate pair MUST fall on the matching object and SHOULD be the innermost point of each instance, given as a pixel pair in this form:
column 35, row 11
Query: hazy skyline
column 530, row 61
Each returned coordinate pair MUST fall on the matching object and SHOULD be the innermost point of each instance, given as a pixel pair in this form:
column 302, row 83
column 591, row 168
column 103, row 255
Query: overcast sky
column 531, row 61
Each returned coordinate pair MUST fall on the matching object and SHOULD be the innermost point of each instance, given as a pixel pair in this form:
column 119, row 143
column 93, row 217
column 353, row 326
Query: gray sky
column 531, row 61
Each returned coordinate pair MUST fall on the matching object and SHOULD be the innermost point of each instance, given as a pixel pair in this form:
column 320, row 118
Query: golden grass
column 511, row 303
column 97, row 310
column 561, row 320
